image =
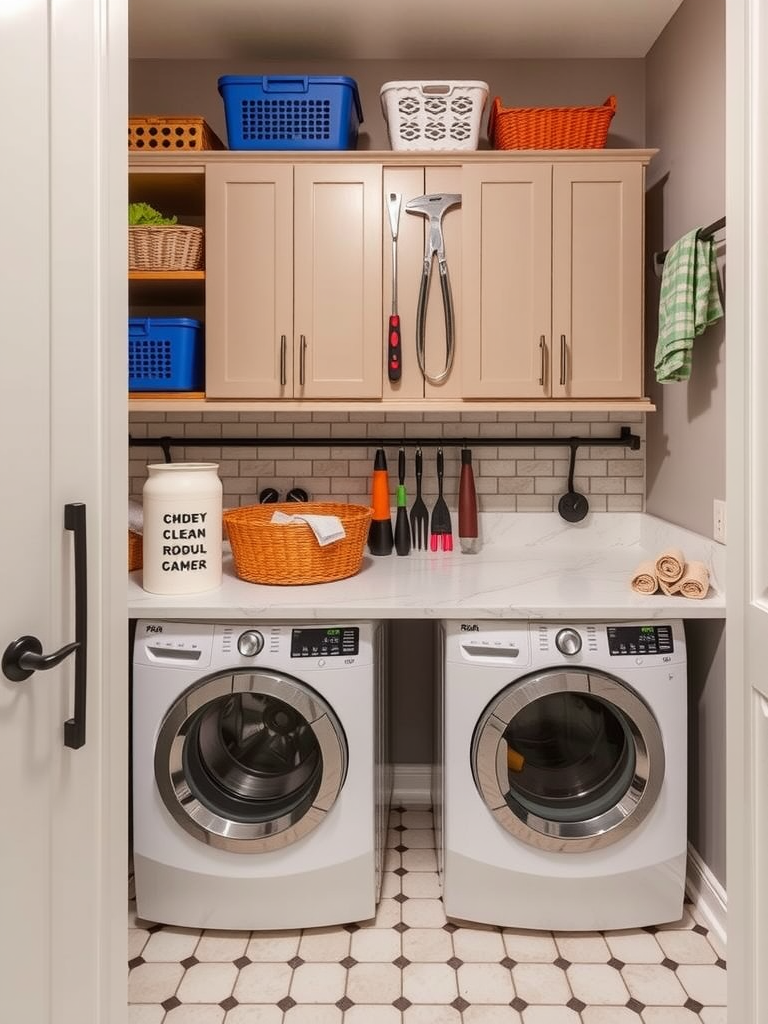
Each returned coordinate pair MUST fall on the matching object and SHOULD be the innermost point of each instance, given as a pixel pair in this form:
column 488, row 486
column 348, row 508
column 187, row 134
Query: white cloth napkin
column 135, row 516
column 327, row 529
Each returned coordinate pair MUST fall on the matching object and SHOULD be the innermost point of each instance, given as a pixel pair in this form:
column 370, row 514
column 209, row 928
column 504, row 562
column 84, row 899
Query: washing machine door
column 568, row 760
column 250, row 761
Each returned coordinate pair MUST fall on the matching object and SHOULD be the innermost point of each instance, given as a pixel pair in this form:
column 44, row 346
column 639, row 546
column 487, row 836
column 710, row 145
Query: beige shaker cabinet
column 294, row 280
column 553, row 280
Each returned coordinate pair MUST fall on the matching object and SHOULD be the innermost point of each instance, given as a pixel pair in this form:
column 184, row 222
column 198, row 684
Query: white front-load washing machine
column 563, row 773
column 260, row 776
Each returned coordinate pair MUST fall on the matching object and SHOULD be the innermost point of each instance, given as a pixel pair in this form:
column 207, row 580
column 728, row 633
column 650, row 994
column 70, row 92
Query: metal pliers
column 434, row 206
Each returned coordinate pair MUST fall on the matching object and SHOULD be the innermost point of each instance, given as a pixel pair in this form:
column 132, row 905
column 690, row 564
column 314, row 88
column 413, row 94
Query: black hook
column 573, row 506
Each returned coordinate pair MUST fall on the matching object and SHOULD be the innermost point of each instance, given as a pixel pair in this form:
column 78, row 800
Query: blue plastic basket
column 165, row 354
column 289, row 112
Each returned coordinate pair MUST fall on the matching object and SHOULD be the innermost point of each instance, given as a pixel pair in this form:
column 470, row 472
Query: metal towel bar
column 707, row 232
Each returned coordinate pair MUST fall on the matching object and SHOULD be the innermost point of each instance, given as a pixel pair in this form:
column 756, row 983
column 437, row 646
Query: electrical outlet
column 718, row 520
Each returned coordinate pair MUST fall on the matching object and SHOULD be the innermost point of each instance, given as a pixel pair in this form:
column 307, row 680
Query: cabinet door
column 597, row 272
column 507, row 280
column 249, row 280
column 338, row 328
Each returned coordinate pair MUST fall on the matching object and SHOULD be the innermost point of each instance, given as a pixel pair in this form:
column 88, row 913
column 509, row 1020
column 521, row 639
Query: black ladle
column 572, row 506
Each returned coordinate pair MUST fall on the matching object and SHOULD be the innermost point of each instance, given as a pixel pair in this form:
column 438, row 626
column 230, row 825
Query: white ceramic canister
column 182, row 528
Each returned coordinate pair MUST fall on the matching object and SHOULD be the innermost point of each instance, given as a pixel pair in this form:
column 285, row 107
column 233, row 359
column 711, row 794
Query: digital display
column 325, row 642
column 624, row 640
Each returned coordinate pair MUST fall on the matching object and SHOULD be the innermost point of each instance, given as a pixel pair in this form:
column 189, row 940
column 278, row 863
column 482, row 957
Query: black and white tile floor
column 410, row 965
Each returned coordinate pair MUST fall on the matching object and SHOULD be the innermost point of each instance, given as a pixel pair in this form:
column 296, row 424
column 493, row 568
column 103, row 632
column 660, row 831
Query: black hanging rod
column 705, row 233
column 625, row 439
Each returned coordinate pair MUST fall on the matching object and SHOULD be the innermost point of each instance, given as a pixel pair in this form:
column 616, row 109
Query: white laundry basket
column 433, row 115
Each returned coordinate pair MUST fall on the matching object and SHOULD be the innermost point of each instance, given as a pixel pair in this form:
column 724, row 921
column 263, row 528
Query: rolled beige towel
column 644, row 578
column 670, row 565
column 694, row 582
column 670, row 589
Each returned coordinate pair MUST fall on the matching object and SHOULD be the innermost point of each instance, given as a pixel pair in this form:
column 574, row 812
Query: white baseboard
column 707, row 894
column 412, row 785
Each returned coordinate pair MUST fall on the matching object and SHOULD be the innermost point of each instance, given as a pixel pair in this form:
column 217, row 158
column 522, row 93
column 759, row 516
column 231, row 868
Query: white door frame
column 64, row 421
column 747, row 489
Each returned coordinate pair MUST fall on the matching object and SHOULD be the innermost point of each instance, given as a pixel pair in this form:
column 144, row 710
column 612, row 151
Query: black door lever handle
column 24, row 656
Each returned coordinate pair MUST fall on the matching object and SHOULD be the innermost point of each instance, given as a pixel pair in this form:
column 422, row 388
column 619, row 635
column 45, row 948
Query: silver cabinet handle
column 283, row 344
column 543, row 352
column 302, row 358
column 563, row 348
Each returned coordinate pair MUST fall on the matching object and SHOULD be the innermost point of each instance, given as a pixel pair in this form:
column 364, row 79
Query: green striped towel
column 689, row 303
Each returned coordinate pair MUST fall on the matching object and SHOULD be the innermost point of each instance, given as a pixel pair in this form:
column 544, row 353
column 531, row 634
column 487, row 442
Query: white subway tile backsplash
column 606, row 485
column 549, row 485
column 507, row 478
column 516, row 485
column 534, row 503
column 535, row 467
column 625, row 467
column 625, row 503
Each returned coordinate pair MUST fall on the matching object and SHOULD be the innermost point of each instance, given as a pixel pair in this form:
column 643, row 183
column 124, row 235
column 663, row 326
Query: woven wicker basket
column 169, row 133
column 135, row 550
column 266, row 552
column 550, row 127
column 165, row 247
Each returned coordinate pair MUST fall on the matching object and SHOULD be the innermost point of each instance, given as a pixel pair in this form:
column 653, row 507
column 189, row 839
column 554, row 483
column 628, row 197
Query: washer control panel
column 623, row 640
column 325, row 642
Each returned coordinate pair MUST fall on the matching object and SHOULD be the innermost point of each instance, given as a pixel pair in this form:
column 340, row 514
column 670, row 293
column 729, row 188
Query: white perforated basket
column 433, row 115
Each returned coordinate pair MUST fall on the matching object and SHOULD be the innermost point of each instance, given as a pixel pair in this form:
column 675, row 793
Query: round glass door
column 250, row 761
column 568, row 760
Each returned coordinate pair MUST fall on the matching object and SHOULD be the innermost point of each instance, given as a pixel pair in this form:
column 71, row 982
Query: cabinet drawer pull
column 563, row 348
column 302, row 358
column 283, row 345
column 543, row 353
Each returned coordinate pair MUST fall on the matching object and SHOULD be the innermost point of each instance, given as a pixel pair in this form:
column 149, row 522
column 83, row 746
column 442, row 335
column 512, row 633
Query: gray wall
column 191, row 88
column 685, row 119
column 685, row 457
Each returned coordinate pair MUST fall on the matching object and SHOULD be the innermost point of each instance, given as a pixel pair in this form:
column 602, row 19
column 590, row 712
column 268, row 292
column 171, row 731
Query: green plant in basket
column 142, row 214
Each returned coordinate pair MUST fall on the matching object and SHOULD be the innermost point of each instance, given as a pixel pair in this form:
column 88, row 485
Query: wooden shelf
column 166, row 275
column 182, row 401
column 138, row 397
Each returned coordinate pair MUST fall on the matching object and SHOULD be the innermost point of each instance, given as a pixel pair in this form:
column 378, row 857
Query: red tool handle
column 394, row 359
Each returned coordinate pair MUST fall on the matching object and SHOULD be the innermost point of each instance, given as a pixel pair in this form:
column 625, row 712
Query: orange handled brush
column 380, row 536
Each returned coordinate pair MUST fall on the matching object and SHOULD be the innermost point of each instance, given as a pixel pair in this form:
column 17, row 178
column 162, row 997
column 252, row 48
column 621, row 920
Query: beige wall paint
column 685, row 459
column 191, row 87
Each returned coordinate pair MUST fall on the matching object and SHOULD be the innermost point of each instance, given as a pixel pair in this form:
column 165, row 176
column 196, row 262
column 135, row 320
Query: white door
column 747, row 486
column 63, row 843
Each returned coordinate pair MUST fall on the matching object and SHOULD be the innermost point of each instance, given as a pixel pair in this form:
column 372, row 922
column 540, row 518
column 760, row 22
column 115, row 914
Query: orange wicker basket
column 289, row 554
column 135, row 550
column 549, row 127
column 172, row 133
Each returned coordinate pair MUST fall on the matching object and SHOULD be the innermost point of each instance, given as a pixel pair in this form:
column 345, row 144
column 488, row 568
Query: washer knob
column 250, row 643
column 568, row 641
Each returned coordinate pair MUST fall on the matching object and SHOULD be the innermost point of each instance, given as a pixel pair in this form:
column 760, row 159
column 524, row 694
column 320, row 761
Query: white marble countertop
column 530, row 566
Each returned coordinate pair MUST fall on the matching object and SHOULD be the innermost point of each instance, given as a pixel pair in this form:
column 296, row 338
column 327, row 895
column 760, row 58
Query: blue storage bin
column 291, row 112
column 165, row 354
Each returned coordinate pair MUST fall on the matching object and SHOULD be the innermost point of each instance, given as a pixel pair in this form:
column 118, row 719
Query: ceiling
column 395, row 29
